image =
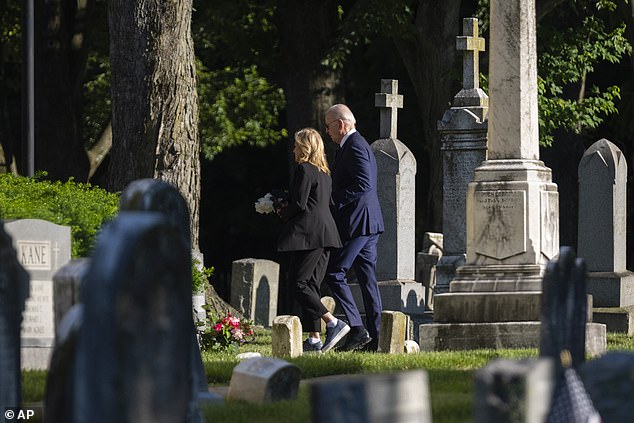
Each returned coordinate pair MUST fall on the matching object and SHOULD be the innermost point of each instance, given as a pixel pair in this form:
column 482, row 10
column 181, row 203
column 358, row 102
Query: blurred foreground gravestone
column 14, row 289
column 133, row 356
column 401, row 397
column 565, row 309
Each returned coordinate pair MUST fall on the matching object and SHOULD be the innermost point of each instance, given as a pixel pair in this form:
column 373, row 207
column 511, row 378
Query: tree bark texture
column 307, row 30
column 154, row 100
column 60, row 63
column 429, row 59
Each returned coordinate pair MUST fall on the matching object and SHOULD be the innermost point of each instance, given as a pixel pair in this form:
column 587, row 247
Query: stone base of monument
column 611, row 289
column 470, row 336
column 616, row 319
column 446, row 271
column 503, row 277
column 491, row 307
column 474, row 307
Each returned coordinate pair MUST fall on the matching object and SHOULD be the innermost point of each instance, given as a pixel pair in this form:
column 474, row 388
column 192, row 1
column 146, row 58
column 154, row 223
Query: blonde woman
column 308, row 235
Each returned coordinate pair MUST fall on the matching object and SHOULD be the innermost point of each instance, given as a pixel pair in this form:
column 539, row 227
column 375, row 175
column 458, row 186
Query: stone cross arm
column 472, row 45
column 389, row 101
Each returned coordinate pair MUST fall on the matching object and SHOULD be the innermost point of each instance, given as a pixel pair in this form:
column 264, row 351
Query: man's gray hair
column 343, row 112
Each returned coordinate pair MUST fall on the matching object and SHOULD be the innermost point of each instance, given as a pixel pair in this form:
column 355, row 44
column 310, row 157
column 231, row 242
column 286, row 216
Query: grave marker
column 602, row 234
column 508, row 391
column 393, row 332
column 14, row 289
column 286, row 336
column 397, row 397
column 396, row 174
column 133, row 348
column 463, row 134
column 254, row 289
column 262, row 380
column 42, row 247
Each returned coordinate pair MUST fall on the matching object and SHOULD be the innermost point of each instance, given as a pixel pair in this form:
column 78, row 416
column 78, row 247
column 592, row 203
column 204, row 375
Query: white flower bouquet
column 273, row 201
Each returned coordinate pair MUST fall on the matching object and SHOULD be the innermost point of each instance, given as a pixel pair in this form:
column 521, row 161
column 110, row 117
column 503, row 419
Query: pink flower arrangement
column 225, row 333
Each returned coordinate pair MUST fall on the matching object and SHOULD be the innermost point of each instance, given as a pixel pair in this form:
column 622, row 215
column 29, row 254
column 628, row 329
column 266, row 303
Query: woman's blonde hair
column 311, row 149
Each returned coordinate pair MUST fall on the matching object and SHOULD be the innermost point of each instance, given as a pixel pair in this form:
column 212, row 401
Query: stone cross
column 472, row 45
column 389, row 101
column 513, row 119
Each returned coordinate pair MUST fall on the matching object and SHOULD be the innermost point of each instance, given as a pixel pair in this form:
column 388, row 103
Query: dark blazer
column 308, row 221
column 355, row 205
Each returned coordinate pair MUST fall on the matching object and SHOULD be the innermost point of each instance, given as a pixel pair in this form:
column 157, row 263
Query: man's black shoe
column 356, row 339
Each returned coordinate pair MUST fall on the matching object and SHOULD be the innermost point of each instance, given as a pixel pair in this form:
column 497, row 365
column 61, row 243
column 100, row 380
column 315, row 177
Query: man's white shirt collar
column 345, row 137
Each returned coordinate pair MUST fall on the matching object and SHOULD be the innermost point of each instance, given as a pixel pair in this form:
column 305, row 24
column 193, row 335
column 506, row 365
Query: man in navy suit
column 355, row 207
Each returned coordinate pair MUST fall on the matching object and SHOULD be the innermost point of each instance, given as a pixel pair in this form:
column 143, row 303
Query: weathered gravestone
column 67, row 283
column 376, row 398
column 330, row 304
column 133, row 349
column 14, row 289
column 602, row 234
column 463, row 134
column 43, row 247
column 426, row 265
column 393, row 332
column 254, row 289
column 396, row 253
column 286, row 336
column 262, row 380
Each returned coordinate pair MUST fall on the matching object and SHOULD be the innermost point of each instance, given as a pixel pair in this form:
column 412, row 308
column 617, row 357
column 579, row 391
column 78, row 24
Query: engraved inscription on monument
column 34, row 255
column 501, row 223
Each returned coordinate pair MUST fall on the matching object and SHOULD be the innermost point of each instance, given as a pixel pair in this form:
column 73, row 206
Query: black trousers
column 306, row 270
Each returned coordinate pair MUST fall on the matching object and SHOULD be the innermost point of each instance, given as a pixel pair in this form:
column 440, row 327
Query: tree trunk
column 60, row 63
column 154, row 100
column 307, row 30
column 429, row 59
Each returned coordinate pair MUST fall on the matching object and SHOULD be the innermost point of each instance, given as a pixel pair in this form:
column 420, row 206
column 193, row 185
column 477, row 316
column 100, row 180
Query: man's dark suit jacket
column 355, row 206
column 308, row 220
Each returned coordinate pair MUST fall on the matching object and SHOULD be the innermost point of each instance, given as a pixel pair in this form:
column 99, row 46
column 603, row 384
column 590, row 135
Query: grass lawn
column 450, row 375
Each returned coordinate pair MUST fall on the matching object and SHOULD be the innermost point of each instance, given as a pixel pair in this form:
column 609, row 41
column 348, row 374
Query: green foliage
column 97, row 102
column 565, row 65
column 83, row 207
column 240, row 107
column 573, row 40
column 200, row 276
column 238, row 103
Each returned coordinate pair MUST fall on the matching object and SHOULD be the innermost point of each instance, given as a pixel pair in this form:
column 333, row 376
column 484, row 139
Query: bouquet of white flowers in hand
column 273, row 201
column 264, row 205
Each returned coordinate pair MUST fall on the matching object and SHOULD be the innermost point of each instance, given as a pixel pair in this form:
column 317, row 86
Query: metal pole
column 28, row 88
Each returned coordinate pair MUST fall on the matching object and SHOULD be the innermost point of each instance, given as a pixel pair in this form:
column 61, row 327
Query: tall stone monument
column 463, row 134
column 396, row 251
column 512, row 206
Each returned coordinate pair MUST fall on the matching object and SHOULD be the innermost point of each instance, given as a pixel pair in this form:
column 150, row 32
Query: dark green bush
column 83, row 207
